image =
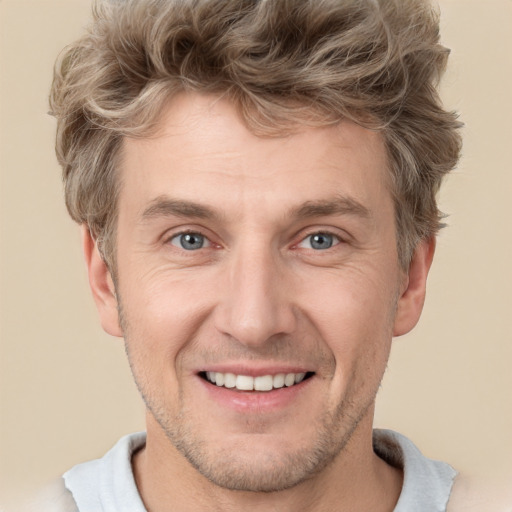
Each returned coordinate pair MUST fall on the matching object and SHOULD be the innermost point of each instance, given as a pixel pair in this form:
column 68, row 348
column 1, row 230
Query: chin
column 262, row 472
column 258, row 463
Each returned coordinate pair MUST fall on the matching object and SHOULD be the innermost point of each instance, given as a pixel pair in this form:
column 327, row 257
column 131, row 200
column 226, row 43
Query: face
column 258, row 284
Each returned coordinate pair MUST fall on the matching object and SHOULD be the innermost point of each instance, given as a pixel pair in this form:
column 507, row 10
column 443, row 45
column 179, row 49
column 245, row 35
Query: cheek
column 349, row 303
column 165, row 301
column 164, row 313
column 353, row 314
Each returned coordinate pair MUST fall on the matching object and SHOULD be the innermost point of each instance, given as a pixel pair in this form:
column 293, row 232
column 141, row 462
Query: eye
column 319, row 241
column 190, row 241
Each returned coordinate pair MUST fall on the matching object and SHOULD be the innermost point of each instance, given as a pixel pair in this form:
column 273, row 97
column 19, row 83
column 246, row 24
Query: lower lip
column 255, row 401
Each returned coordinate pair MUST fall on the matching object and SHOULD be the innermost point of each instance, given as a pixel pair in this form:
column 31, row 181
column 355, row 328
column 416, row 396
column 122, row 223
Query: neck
column 357, row 479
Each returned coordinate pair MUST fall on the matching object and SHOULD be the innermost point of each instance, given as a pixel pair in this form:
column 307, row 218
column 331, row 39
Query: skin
column 258, row 297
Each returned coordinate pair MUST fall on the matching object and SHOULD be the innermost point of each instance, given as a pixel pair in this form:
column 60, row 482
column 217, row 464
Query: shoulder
column 98, row 484
column 108, row 483
column 477, row 494
column 54, row 497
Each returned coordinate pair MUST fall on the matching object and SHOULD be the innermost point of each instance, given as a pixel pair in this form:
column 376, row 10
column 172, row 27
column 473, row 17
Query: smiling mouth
column 261, row 383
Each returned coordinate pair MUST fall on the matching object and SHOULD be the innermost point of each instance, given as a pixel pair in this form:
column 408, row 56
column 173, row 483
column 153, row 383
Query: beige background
column 65, row 389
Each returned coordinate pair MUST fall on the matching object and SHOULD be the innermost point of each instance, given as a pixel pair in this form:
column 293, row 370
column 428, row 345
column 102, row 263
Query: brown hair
column 282, row 62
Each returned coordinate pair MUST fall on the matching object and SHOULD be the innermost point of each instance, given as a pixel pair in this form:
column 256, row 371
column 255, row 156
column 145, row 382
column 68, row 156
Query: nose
column 256, row 300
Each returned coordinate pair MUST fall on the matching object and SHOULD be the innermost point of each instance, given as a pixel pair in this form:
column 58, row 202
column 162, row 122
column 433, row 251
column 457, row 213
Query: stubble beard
column 280, row 471
column 277, row 471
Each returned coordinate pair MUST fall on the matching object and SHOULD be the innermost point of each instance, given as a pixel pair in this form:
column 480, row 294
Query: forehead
column 203, row 149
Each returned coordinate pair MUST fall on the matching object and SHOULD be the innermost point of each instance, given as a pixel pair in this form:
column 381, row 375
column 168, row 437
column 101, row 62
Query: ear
column 102, row 285
column 410, row 303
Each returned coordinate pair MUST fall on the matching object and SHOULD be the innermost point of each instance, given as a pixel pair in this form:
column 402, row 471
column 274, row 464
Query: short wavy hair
column 283, row 63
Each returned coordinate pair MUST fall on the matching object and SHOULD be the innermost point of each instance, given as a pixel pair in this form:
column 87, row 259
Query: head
column 283, row 64
column 259, row 178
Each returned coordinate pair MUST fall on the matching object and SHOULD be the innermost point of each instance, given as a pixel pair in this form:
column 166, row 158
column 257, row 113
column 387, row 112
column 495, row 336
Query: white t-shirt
column 108, row 484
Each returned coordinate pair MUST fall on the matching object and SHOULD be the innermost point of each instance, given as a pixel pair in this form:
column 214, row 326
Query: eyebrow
column 163, row 206
column 339, row 205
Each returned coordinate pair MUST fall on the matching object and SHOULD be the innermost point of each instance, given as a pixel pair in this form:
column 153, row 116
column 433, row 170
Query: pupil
column 191, row 241
column 321, row 241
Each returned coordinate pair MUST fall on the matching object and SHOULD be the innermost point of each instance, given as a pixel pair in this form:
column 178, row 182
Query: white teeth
column 229, row 380
column 248, row 383
column 244, row 383
column 289, row 380
column 264, row 383
column 299, row 377
column 278, row 380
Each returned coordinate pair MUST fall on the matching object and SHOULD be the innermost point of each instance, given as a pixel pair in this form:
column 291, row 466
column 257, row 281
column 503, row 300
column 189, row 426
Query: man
column 256, row 183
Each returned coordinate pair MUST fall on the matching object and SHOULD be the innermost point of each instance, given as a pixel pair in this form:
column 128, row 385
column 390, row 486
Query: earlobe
column 410, row 303
column 102, row 285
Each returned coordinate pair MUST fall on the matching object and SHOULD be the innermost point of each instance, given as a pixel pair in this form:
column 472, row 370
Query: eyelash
column 176, row 236
column 336, row 239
